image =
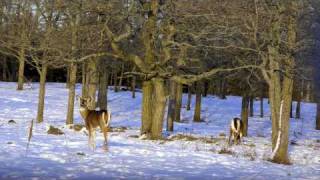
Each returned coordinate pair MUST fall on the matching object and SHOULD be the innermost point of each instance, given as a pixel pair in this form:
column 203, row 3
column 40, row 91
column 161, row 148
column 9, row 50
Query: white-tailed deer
column 236, row 127
column 93, row 119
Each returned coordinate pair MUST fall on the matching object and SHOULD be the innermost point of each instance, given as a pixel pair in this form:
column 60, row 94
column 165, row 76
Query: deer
column 93, row 119
column 236, row 128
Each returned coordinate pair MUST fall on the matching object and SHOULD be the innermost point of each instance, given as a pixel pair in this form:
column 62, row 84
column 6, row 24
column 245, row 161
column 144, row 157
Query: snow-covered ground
column 204, row 157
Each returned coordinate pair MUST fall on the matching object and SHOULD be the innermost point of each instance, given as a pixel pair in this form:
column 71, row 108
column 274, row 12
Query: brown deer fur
column 94, row 119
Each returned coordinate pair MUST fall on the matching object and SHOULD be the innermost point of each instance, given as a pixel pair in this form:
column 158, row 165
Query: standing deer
column 236, row 127
column 93, row 119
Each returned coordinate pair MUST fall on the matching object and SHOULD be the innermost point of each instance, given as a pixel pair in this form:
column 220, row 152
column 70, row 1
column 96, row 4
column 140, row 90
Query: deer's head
column 84, row 102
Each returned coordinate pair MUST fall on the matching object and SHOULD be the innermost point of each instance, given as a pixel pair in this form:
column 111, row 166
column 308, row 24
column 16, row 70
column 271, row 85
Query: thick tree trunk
column 42, row 91
column 92, row 83
column 103, row 86
column 189, row 97
column 280, row 150
column 72, row 92
column 197, row 110
column 147, row 98
column 318, row 117
column 245, row 114
column 251, row 106
column 158, row 105
column 178, row 103
column 21, row 69
column 171, row 105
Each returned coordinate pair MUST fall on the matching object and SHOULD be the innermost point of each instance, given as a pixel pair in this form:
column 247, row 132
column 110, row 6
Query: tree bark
column 84, row 78
column 42, row 91
column 92, row 82
column 251, row 106
column 178, row 103
column 280, row 144
column 261, row 107
column 197, row 111
column 103, row 86
column 121, row 77
column 298, row 109
column 72, row 92
column 21, row 69
column 189, row 97
column 68, row 76
column 133, row 86
column 245, row 114
column 206, row 88
column 291, row 111
column 158, row 105
column 171, row 106
column 147, row 93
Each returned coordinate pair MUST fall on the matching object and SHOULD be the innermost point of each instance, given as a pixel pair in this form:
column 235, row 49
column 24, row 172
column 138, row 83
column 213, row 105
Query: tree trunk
column 280, row 144
column 261, row 107
column 251, row 106
column 197, row 111
column 245, row 114
column 121, row 77
column 318, row 117
column 205, row 90
column 133, row 86
column 84, row 78
column 4, row 69
column 223, row 89
column 158, row 105
column 42, row 91
column 147, row 98
column 72, row 92
column 68, row 78
column 171, row 105
column 189, row 97
column 299, row 96
column 178, row 103
column 92, row 83
column 103, row 86
column 298, row 109
column 21, row 69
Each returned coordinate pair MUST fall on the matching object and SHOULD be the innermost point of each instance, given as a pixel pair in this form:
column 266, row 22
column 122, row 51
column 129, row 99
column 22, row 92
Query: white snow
column 69, row 156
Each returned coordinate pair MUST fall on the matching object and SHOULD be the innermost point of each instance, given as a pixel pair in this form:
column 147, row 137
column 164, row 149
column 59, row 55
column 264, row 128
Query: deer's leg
column 104, row 130
column 90, row 136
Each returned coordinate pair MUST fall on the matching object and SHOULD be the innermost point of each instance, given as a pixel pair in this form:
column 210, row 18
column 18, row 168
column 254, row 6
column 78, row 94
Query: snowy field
column 203, row 154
